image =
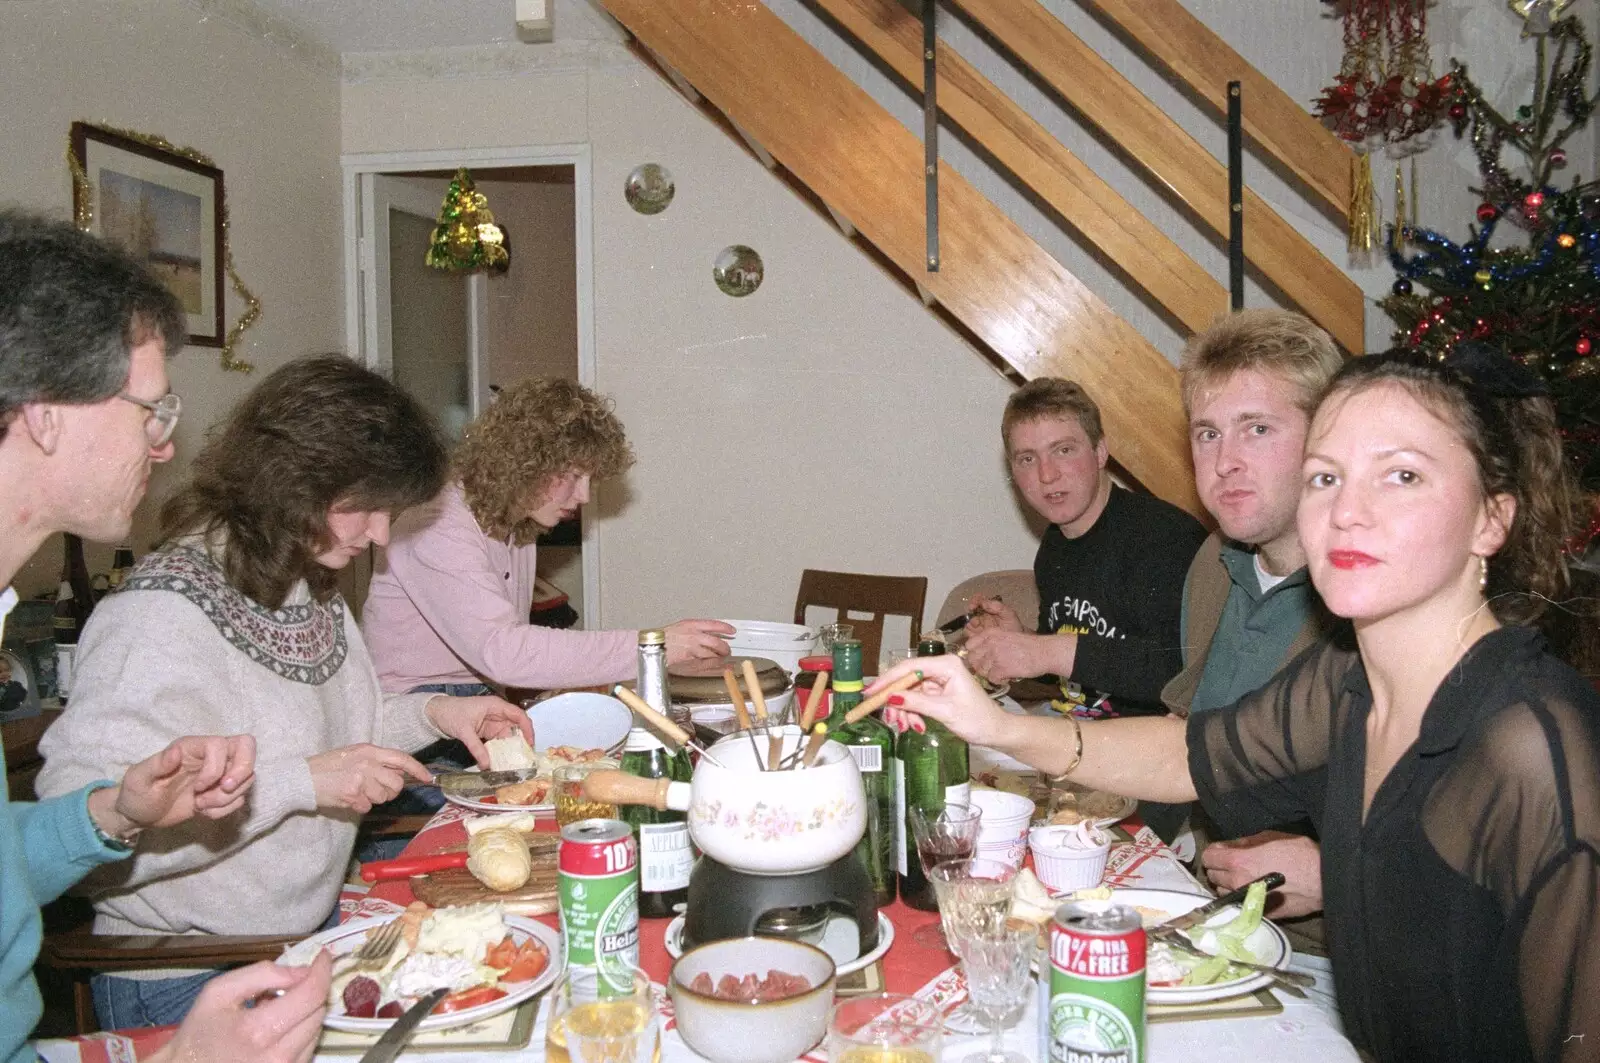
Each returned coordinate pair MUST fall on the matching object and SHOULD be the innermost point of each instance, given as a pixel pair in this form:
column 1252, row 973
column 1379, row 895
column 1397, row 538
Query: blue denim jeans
column 125, row 1003
column 415, row 799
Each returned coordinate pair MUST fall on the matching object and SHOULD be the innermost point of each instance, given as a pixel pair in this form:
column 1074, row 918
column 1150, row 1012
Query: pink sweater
column 448, row 604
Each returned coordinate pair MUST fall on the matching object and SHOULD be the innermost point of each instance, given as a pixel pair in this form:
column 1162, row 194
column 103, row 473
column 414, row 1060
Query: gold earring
column 1483, row 573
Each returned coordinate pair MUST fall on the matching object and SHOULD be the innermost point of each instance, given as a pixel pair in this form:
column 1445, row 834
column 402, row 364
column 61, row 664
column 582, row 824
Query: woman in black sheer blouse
column 1450, row 763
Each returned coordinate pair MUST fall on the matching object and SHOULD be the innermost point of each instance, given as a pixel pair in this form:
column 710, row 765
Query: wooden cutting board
column 455, row 886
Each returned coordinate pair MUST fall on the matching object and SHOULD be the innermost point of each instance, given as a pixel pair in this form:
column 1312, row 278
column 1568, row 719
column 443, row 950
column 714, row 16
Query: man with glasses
column 85, row 410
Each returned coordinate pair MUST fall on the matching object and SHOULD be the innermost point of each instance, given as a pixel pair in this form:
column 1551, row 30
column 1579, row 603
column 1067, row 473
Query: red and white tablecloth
column 1304, row 1030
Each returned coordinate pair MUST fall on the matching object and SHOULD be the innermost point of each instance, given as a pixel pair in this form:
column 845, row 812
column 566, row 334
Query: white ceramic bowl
column 784, row 644
column 730, row 1031
column 776, row 823
column 1064, row 868
column 582, row 719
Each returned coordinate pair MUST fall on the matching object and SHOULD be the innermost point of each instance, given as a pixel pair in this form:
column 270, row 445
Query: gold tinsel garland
column 83, row 217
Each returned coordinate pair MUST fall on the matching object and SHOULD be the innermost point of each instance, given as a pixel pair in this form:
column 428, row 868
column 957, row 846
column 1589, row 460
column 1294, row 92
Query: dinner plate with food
column 1070, row 804
column 522, row 778
column 488, row 960
column 1174, row 975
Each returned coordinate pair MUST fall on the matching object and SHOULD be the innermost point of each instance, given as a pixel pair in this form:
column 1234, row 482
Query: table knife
column 395, row 1038
column 950, row 627
column 1189, row 919
column 476, row 784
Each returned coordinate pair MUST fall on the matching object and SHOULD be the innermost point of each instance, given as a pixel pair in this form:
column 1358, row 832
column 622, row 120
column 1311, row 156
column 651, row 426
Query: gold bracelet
column 1077, row 752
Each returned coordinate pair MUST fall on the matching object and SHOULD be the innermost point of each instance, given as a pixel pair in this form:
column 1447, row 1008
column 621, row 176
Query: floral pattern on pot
column 770, row 823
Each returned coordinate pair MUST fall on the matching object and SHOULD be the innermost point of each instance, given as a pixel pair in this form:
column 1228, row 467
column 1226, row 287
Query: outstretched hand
column 947, row 693
column 688, row 639
column 274, row 1029
column 195, row 775
column 473, row 721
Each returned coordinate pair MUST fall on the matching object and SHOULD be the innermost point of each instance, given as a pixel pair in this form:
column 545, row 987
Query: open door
column 425, row 328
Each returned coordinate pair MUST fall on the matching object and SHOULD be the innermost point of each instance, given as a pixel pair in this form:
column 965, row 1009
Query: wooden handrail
column 864, row 163
column 1133, row 243
column 1110, row 102
column 1173, row 37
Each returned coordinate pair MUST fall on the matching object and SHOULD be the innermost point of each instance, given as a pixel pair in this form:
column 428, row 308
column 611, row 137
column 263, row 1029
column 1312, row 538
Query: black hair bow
column 1491, row 371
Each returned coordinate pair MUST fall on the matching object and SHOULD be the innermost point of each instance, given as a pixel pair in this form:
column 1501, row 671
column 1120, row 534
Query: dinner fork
column 1289, row 981
column 379, row 946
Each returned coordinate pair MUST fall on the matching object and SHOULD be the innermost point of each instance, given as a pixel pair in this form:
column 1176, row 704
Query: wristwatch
column 117, row 843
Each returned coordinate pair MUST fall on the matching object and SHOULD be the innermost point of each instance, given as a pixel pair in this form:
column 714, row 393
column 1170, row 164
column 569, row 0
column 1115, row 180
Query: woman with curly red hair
column 448, row 607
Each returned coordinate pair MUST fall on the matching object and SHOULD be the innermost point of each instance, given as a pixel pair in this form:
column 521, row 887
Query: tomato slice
column 501, row 956
column 463, row 999
column 530, row 962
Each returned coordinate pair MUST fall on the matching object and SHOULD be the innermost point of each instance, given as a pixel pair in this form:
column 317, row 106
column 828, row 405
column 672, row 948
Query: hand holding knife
column 950, row 627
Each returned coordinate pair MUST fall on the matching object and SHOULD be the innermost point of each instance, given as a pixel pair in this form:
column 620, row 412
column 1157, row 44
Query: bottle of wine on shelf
column 665, row 853
column 121, row 565
column 937, row 774
column 74, row 601
column 871, row 742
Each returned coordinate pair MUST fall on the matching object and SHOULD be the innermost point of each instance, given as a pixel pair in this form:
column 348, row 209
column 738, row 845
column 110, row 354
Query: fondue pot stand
column 724, row 903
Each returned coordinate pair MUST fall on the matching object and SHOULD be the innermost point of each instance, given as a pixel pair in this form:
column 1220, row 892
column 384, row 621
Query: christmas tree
column 466, row 237
column 1527, row 278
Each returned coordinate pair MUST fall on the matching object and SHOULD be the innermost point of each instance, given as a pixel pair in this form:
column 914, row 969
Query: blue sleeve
column 59, row 843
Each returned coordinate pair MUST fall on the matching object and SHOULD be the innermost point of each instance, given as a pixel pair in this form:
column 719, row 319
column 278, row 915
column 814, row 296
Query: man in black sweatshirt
column 1110, row 568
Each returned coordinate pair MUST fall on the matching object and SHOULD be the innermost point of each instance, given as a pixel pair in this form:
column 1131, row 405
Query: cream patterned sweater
column 178, row 651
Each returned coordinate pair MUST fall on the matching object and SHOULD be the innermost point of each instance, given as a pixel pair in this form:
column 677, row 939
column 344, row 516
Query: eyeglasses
column 163, row 419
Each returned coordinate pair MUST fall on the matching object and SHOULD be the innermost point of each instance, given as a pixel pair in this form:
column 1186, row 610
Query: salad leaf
column 1227, row 941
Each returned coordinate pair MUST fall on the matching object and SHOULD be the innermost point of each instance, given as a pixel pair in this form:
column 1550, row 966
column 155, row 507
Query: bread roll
column 507, row 754
column 499, row 859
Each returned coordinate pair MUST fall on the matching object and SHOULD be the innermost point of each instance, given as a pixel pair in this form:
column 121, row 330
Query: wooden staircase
column 1005, row 291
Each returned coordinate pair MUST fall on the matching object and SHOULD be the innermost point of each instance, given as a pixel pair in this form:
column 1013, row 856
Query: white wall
column 270, row 120
column 826, row 421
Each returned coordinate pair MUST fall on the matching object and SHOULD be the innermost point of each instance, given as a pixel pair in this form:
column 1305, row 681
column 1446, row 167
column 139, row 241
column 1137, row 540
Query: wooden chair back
column 857, row 593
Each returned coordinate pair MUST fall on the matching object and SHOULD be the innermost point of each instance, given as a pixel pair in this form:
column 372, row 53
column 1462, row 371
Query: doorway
column 452, row 340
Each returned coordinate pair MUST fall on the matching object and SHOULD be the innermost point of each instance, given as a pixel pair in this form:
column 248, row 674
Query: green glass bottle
column 665, row 854
column 872, row 744
column 937, row 773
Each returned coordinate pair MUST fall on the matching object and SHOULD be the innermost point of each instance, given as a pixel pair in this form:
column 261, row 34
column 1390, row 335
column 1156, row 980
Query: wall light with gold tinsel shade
column 467, row 238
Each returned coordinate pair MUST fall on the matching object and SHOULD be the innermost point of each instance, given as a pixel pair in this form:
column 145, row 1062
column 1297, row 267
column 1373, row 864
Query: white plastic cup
column 1003, row 830
column 1065, row 868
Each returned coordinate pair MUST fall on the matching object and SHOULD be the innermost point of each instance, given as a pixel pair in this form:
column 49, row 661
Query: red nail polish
column 896, row 700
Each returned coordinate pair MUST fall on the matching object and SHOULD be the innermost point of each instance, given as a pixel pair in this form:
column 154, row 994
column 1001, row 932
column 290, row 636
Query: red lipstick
column 1348, row 559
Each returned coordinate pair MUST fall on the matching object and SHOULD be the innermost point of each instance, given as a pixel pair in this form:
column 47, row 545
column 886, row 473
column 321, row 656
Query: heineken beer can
column 1094, row 1012
column 598, row 884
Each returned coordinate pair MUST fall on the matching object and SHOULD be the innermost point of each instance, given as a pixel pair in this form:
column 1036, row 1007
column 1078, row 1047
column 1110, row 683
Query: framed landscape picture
column 166, row 210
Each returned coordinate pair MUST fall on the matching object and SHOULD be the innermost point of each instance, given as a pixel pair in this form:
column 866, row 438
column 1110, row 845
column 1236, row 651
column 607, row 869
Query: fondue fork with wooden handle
column 614, row 787
column 801, row 758
column 759, row 700
column 808, row 716
column 661, row 723
column 743, row 717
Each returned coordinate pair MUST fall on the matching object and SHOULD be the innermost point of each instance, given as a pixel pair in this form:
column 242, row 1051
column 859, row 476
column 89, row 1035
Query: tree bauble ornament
column 1402, row 287
column 1483, row 276
column 1583, row 346
column 1487, row 212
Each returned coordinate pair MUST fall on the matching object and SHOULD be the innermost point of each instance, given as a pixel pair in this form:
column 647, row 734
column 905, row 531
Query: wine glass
column 998, row 962
column 974, row 896
column 949, row 834
column 591, row 1021
column 884, row 1028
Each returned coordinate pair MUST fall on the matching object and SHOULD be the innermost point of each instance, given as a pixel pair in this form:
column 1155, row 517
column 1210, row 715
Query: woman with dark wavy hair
column 449, row 605
column 234, row 625
column 1450, row 762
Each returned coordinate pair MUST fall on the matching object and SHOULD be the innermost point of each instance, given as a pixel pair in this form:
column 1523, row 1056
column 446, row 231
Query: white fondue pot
column 761, row 822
